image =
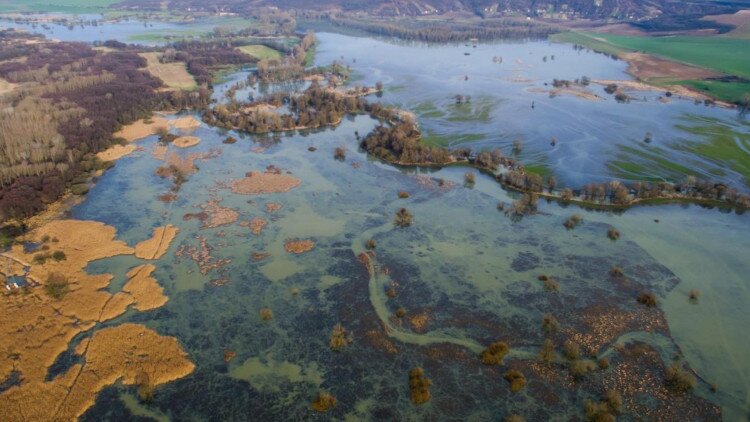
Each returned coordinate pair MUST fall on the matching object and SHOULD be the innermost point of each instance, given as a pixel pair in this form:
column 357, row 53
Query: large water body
column 463, row 263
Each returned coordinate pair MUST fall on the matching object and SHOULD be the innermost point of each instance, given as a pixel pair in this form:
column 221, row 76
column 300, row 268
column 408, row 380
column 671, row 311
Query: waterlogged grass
column 652, row 165
column 428, row 110
column 441, row 140
column 540, row 169
column 734, row 92
column 260, row 52
column 589, row 41
column 479, row 110
column 724, row 146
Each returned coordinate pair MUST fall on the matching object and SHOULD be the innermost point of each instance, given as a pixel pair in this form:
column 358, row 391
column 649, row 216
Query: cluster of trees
column 401, row 142
column 202, row 57
column 444, row 31
column 314, row 108
column 71, row 101
column 291, row 66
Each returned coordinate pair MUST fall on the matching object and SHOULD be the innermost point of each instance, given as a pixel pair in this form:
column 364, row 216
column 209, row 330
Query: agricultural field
column 260, row 52
column 174, row 75
column 726, row 55
column 61, row 6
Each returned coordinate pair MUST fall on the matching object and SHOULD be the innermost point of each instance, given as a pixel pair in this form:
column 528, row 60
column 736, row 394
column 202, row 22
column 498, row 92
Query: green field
column 727, row 55
column 260, row 52
column 62, row 6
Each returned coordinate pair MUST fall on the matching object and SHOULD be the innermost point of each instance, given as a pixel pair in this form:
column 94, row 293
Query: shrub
column 39, row 258
column 470, row 178
column 647, row 298
column 494, row 353
column 613, row 233
column 515, row 418
column 403, row 194
column 371, row 244
column 59, row 256
column 573, row 221
column 419, row 386
column 571, row 350
column 312, row 149
column 339, row 338
column 339, row 153
column 323, row 402
column 616, row 271
column 45, row 238
column 516, row 379
column 391, row 292
column 679, row 379
column 230, row 140
column 266, row 314
column 603, row 363
column 57, row 286
column 549, row 323
column 400, row 312
column 403, row 218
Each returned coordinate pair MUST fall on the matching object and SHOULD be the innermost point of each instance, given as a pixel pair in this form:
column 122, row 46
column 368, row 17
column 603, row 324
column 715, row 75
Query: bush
column 57, row 286
column 679, row 379
column 516, row 379
column 694, row 295
column 230, row 140
column 647, row 298
column 40, row 258
column 403, row 218
column 403, row 194
column 616, row 271
column 580, row 367
column 494, row 353
column 59, row 256
column 573, row 221
column 339, row 153
column 613, row 233
column 79, row 189
column 371, row 244
column 470, row 178
column 603, row 363
column 400, row 312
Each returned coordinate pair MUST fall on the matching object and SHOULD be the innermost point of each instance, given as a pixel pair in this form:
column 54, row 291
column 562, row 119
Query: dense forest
column 70, row 99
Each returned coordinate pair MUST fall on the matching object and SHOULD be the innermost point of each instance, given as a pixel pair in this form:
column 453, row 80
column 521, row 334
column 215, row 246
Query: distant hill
column 631, row 10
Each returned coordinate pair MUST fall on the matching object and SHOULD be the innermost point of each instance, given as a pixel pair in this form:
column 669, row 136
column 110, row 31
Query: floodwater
column 464, row 272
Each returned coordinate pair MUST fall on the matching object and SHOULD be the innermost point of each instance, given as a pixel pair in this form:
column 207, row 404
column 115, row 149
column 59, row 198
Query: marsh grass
column 547, row 352
column 550, row 323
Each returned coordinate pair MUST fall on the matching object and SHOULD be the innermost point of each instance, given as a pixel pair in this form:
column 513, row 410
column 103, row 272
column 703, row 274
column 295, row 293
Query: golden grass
column 255, row 183
column 186, row 141
column 157, row 246
column 260, row 52
column 299, row 246
column 6, row 87
column 31, row 344
column 116, row 152
column 140, row 129
column 174, row 75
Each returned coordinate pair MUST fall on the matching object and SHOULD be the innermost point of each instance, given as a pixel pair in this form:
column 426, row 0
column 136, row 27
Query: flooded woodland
column 291, row 288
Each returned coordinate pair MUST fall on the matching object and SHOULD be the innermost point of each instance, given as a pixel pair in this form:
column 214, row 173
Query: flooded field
column 259, row 276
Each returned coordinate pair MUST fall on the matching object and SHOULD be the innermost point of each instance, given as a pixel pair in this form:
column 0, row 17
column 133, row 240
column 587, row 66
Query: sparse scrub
column 579, row 368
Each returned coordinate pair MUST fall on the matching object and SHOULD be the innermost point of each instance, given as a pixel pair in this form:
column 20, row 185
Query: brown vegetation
column 340, row 338
column 403, row 218
column 516, row 379
column 299, row 246
column 323, row 402
column 494, row 353
column 419, row 386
